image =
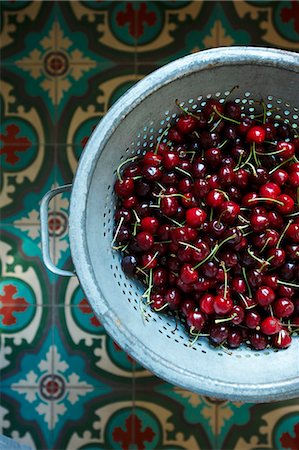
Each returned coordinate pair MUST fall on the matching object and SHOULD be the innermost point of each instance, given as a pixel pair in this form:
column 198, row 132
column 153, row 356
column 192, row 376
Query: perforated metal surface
column 131, row 127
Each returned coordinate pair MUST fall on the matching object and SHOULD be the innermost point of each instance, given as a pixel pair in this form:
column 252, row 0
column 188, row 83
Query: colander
column 131, row 127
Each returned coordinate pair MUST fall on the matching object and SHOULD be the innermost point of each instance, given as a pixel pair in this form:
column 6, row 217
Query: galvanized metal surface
column 131, row 125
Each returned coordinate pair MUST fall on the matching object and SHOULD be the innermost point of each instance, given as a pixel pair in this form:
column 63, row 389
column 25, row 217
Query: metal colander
column 131, row 127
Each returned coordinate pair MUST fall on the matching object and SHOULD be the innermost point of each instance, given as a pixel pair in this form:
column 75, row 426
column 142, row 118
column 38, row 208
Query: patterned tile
column 268, row 426
column 64, row 382
column 78, row 329
column 174, row 419
column 20, row 415
column 262, row 23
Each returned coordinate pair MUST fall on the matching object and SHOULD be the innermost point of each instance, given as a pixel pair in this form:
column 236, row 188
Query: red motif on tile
column 118, row 349
column 13, row 144
column 136, row 18
column 292, row 13
column 133, row 434
column 289, row 442
column 86, row 309
column 9, row 305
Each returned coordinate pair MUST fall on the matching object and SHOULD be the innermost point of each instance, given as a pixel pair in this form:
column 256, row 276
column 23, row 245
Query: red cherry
column 195, row 217
column 293, row 232
column 170, row 160
column 186, row 124
column 195, row 320
column 282, row 339
column 256, row 134
column 149, row 224
column 286, row 149
column 270, row 326
column 124, row 188
column 294, row 179
column 287, row 204
column 206, row 304
column 151, row 159
column 188, row 275
column 280, row 177
column 270, row 190
column 222, row 305
column 173, row 298
column 215, row 198
column 283, row 307
column 264, row 295
column 144, row 240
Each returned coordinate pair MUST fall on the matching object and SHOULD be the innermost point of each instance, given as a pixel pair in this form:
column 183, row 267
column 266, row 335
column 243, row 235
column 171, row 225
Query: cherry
column 258, row 340
column 129, row 265
column 270, row 190
column 287, row 204
column 256, row 134
column 195, row 217
column 283, row 307
column 237, row 314
column 170, row 160
column 213, row 156
column 175, row 136
column 264, row 295
column 149, row 224
column 158, row 303
column 280, row 177
column 232, row 110
column 259, row 222
column 151, row 173
column 294, row 179
column 148, row 261
column 238, row 285
column 124, row 188
column 282, row 339
column 188, row 274
column 286, row 149
column 201, row 188
column 195, row 320
column 226, row 175
column 293, row 232
column 186, row 124
column 222, row 305
column 173, row 298
column 218, row 333
column 206, row 304
column 160, row 276
column 151, row 159
column 241, row 178
column 229, row 211
column 215, row 198
column 276, row 256
column 270, row 325
column 234, row 338
column 252, row 319
column 145, row 240
column 187, row 306
column 169, row 206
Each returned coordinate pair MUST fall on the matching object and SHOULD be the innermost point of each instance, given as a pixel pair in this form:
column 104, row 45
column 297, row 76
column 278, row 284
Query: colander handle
column 44, row 207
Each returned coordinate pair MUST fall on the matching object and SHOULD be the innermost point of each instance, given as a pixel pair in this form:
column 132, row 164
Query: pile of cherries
column 208, row 220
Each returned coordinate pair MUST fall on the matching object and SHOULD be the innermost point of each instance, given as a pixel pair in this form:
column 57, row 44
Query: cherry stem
column 117, row 230
column 174, row 221
column 222, row 143
column 216, row 125
column 254, row 152
column 252, row 167
column 160, row 139
column 265, row 199
column 246, row 281
column 214, row 251
column 239, row 161
column 226, row 319
column 265, row 245
column 162, row 307
column 224, row 193
column 184, row 172
column 151, row 260
column 185, row 110
column 280, row 165
column 286, row 283
column 229, row 119
column 136, row 215
column 222, row 264
column 261, row 261
column 283, row 233
column 120, row 247
column 243, row 219
column 122, row 164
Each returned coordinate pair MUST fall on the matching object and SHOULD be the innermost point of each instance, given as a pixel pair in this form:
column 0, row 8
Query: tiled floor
column 64, row 383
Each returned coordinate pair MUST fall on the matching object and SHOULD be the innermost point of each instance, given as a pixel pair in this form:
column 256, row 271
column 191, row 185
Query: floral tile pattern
column 64, row 383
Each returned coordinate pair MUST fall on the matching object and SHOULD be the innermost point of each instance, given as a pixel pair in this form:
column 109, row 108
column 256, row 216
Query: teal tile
column 20, row 417
column 81, row 332
column 82, row 107
column 107, row 25
column 98, row 425
column 30, row 15
column 266, row 425
column 174, row 419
